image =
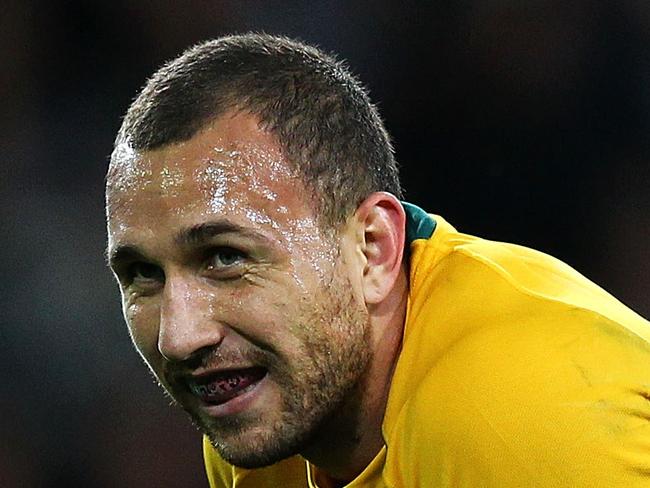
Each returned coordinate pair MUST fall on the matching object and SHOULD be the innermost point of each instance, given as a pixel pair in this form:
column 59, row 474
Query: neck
column 352, row 437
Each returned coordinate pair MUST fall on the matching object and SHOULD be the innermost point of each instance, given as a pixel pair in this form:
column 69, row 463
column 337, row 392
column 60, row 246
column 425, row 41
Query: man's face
column 243, row 309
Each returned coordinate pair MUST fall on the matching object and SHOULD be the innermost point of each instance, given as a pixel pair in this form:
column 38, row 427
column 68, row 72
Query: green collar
column 419, row 224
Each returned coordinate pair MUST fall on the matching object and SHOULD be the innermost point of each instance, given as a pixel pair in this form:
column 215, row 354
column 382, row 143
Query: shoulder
column 503, row 274
column 558, row 400
column 516, row 370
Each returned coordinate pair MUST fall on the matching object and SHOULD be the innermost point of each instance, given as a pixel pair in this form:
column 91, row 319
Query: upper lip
column 200, row 373
column 203, row 375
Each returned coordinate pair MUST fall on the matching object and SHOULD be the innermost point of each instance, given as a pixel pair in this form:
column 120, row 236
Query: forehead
column 231, row 169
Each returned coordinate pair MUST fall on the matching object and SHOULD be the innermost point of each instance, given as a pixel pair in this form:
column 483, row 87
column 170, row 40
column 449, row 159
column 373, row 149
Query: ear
column 381, row 231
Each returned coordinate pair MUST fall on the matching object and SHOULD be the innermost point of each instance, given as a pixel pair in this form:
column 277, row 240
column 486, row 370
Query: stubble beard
column 314, row 389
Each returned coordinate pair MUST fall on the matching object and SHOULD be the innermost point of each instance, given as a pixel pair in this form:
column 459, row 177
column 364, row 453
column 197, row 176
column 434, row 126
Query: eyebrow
column 204, row 232
column 122, row 253
column 195, row 235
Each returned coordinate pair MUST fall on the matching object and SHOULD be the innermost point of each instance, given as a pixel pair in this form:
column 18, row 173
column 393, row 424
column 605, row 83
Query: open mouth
column 221, row 387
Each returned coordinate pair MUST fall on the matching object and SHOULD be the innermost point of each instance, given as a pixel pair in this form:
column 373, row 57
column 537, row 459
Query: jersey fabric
column 515, row 371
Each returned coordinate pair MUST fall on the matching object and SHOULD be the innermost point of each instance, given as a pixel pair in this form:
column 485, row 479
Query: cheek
column 265, row 314
column 251, row 307
column 142, row 320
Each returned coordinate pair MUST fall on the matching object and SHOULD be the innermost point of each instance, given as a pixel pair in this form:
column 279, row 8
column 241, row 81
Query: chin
column 254, row 451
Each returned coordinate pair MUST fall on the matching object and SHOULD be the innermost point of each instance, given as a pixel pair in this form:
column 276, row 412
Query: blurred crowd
column 517, row 121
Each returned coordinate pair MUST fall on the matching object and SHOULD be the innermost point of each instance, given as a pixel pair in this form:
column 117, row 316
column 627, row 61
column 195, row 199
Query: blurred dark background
column 517, row 121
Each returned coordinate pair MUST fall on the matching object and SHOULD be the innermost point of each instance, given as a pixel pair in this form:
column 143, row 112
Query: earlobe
column 382, row 220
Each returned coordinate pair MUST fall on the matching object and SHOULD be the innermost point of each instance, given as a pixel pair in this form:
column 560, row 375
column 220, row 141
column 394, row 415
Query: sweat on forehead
column 230, row 162
column 228, row 136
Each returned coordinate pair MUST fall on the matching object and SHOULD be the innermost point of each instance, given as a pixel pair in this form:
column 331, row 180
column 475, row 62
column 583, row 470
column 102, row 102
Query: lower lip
column 236, row 404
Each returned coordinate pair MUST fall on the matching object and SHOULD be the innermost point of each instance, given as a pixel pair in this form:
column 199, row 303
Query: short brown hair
column 319, row 112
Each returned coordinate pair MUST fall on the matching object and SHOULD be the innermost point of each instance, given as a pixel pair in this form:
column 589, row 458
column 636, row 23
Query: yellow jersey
column 515, row 371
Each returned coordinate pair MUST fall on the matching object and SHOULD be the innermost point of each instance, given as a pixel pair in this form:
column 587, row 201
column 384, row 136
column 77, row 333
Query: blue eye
column 225, row 257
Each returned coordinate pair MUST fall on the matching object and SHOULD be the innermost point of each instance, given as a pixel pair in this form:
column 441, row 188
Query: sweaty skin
column 227, row 279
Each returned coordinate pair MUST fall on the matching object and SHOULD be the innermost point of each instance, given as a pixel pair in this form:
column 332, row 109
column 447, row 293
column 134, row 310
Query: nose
column 187, row 323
